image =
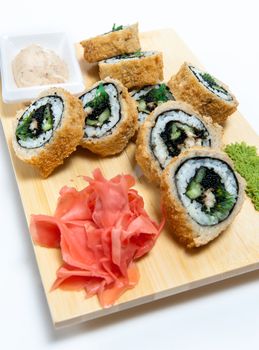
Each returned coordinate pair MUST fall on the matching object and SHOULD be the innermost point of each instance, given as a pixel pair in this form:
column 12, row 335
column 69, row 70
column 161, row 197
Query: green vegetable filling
column 38, row 121
column 160, row 94
column 47, row 119
column 194, row 190
column 115, row 29
column 225, row 201
column 137, row 54
column 176, row 134
column 246, row 162
column 22, row 131
column 153, row 98
column 100, row 111
column 208, row 78
column 207, row 189
column 142, row 106
column 212, row 82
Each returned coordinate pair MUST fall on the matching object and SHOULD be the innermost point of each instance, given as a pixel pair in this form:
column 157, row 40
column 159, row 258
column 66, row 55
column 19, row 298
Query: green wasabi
column 246, row 162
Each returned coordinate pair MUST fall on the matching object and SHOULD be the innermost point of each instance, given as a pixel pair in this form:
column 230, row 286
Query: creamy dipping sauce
column 35, row 65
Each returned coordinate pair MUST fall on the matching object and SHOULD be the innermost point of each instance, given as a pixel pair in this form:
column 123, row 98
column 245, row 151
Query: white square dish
column 11, row 45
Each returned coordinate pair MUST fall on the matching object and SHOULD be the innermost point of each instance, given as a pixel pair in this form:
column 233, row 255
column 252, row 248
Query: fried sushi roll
column 49, row 130
column 149, row 97
column 121, row 40
column 206, row 94
column 111, row 117
column 134, row 70
column 172, row 128
column 201, row 195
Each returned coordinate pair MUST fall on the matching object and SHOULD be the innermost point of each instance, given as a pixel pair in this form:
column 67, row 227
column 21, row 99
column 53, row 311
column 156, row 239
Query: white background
column 224, row 35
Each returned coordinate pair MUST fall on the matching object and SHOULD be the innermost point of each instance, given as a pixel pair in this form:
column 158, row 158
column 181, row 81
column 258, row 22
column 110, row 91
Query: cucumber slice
column 187, row 129
column 200, row 175
column 142, row 105
column 46, row 126
column 101, row 119
column 47, row 121
column 104, row 116
column 91, row 122
column 175, row 132
column 193, row 190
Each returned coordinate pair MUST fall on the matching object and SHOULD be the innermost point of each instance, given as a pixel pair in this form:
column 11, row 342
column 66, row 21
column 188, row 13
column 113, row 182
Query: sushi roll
column 201, row 195
column 49, row 130
column 111, row 117
column 121, row 40
column 149, row 97
column 206, row 94
column 134, row 70
column 170, row 129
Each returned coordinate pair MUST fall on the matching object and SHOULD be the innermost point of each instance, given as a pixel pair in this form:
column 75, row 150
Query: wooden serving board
column 169, row 269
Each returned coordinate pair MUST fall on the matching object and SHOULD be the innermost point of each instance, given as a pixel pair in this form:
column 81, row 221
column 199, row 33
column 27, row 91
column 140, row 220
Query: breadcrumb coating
column 118, row 139
column 135, row 73
column 188, row 88
column 183, row 227
column 144, row 155
column 64, row 140
column 111, row 44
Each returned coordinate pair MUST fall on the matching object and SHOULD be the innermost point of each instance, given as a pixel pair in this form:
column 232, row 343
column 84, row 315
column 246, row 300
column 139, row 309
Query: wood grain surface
column 169, row 268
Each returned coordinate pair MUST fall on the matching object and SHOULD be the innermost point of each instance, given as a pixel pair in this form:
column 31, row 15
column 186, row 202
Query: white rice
column 99, row 131
column 157, row 143
column 118, row 58
column 142, row 117
column 224, row 95
column 187, row 171
column 57, row 107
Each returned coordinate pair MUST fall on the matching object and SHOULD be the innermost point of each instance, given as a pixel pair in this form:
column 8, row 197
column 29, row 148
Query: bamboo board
column 169, row 269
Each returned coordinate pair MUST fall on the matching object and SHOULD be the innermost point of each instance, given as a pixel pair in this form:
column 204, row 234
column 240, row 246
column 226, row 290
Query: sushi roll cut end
column 206, row 94
column 172, row 128
column 49, row 130
column 134, row 70
column 149, row 97
column 120, row 40
column 202, row 195
column 111, row 117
